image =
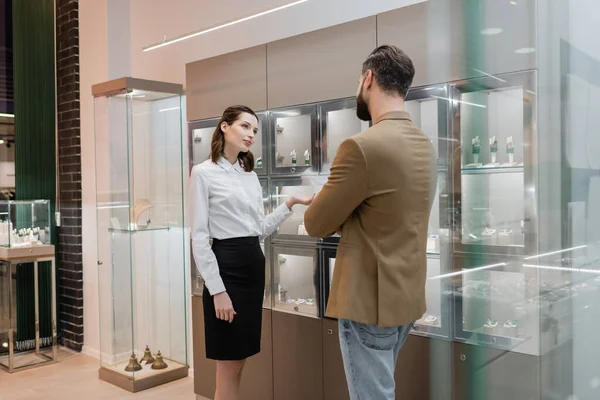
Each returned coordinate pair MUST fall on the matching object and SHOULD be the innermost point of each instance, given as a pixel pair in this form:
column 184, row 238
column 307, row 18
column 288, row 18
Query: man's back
column 381, row 259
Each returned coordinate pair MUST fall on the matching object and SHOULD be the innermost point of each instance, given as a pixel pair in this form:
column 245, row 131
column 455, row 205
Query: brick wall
column 70, row 262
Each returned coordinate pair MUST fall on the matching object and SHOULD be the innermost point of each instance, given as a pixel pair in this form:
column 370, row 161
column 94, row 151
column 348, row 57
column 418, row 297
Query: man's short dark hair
column 392, row 69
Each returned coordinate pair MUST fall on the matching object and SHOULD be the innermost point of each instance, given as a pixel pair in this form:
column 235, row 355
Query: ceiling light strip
column 225, row 25
column 7, row 115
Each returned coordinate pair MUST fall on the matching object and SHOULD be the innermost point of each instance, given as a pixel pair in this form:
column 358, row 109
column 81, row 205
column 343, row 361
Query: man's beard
column 362, row 108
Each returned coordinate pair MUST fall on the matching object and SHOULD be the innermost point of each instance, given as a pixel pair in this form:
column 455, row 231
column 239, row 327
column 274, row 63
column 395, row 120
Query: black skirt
column 242, row 268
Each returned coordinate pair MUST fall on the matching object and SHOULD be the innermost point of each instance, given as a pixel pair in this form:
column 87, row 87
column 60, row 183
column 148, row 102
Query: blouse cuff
column 215, row 286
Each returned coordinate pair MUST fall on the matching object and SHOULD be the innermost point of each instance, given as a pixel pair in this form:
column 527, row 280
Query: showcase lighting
column 225, row 25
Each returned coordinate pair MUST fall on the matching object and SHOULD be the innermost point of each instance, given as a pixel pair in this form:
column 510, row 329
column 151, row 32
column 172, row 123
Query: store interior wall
column 111, row 46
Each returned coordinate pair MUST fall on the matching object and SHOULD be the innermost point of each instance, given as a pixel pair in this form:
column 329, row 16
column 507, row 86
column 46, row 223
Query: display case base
column 145, row 379
column 28, row 360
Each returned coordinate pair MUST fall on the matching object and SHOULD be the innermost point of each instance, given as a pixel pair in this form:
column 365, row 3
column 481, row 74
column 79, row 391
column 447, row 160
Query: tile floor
column 76, row 377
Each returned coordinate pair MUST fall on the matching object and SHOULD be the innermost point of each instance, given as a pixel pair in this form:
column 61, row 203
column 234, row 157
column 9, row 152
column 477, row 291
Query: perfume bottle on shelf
column 307, row 157
column 279, row 129
column 294, row 157
column 279, row 158
column 259, row 162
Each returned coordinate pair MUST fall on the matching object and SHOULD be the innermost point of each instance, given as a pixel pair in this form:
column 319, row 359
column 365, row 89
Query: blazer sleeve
column 205, row 259
column 345, row 190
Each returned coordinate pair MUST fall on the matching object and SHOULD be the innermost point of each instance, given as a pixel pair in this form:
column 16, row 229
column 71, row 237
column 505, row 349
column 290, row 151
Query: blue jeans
column 370, row 355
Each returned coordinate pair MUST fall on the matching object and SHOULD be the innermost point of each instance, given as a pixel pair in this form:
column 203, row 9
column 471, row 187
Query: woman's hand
column 224, row 307
column 304, row 200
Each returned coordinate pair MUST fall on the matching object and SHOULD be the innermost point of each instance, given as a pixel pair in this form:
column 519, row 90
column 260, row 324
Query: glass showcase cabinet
column 140, row 232
column 486, row 287
column 28, row 335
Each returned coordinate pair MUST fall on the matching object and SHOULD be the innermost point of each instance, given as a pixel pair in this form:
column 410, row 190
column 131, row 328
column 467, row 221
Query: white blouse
column 226, row 202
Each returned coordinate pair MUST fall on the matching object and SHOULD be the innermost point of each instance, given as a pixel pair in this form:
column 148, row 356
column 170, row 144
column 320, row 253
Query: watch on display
column 476, row 150
column 510, row 150
column 294, row 157
column 493, row 151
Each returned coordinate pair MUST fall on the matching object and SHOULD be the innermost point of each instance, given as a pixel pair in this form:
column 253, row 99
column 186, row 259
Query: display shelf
column 492, row 170
column 140, row 230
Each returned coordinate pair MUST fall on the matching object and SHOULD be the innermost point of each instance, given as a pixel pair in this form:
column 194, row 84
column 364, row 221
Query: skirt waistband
column 237, row 240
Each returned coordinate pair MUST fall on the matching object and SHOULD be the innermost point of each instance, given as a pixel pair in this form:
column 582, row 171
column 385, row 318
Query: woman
column 227, row 207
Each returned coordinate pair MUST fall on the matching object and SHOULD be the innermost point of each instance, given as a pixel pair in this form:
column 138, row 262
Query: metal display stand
column 14, row 258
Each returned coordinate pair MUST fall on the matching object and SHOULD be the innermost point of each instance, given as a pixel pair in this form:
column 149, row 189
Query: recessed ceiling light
column 5, row 345
column 525, row 50
column 1, row 141
column 491, row 31
column 514, row 3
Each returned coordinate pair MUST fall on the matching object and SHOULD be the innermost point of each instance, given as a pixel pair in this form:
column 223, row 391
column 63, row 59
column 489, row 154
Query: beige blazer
column 379, row 192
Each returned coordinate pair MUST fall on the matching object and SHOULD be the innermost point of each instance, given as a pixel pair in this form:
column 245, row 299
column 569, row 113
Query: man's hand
column 224, row 307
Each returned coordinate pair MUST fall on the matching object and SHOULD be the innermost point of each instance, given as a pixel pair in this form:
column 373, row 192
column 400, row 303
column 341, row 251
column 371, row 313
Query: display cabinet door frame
column 299, row 169
column 323, row 109
column 326, row 253
column 192, row 126
column 312, row 252
column 440, row 92
column 263, row 140
column 527, row 81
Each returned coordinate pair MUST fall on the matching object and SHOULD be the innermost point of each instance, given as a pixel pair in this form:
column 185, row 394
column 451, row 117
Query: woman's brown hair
column 230, row 115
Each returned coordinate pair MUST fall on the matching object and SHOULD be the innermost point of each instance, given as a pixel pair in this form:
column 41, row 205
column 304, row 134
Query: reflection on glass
column 331, row 268
column 501, row 304
column 297, row 283
column 433, row 292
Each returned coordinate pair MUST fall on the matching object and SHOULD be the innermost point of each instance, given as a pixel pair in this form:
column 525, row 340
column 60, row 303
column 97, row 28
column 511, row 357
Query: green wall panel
column 35, row 143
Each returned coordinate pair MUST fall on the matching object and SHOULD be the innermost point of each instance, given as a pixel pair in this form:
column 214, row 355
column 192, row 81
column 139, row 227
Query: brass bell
column 133, row 365
column 148, row 359
column 159, row 363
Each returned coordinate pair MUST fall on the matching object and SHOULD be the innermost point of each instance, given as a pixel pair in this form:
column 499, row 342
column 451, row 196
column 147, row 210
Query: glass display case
column 498, row 300
column 28, row 336
column 296, row 280
column 293, row 228
column 294, row 141
column 140, row 232
column 338, row 122
column 200, row 138
column 24, row 223
column 494, row 121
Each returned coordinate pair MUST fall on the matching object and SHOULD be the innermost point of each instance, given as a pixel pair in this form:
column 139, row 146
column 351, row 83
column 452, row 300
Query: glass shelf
column 138, row 230
column 492, row 170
